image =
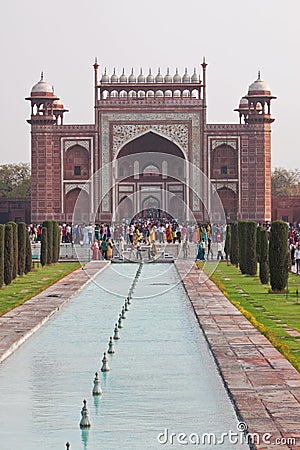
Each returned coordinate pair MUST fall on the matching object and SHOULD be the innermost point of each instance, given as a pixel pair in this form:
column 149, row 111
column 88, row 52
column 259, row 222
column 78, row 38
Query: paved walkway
column 263, row 385
column 19, row 324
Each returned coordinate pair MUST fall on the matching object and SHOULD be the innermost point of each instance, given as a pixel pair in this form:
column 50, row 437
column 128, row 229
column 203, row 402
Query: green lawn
column 275, row 312
column 23, row 288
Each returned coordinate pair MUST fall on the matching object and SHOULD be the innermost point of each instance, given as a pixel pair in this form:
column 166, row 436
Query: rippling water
column 162, row 375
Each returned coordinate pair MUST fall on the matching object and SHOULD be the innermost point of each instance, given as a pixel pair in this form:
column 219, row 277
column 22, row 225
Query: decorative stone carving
column 84, row 144
column 122, row 134
column 217, row 142
column 83, row 187
column 220, row 185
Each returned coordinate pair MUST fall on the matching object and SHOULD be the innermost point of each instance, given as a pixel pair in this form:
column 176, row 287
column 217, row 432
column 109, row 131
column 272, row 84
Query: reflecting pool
column 162, row 378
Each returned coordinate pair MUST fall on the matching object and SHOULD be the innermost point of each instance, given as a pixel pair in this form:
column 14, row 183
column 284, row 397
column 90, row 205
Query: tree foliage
column 28, row 258
column 15, row 180
column 44, row 246
column 263, row 255
column 1, row 255
column 242, row 233
column 278, row 255
column 227, row 242
column 8, row 254
column 250, row 248
column 285, row 182
column 15, row 249
column 234, row 244
column 49, row 225
column 21, row 247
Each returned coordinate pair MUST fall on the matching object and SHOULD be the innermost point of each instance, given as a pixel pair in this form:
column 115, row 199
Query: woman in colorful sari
column 169, row 234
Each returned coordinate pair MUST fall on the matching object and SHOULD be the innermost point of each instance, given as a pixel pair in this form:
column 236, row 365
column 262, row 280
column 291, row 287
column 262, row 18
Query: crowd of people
column 107, row 240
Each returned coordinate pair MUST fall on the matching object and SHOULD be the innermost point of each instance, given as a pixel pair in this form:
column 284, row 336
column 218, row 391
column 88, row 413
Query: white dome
column 243, row 103
column 105, row 77
column 42, row 86
column 259, row 86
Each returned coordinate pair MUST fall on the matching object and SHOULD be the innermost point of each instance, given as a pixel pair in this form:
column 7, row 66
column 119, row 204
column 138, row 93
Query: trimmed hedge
column 234, row 244
column 1, row 255
column 278, row 255
column 8, row 253
column 28, row 256
column 21, row 247
column 250, row 248
column 264, row 256
column 258, row 245
column 227, row 242
column 49, row 225
column 56, row 241
column 242, row 233
column 15, row 249
column 44, row 246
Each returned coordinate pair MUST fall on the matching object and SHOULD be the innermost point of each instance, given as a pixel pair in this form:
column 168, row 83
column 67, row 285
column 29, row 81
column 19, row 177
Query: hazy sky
column 62, row 37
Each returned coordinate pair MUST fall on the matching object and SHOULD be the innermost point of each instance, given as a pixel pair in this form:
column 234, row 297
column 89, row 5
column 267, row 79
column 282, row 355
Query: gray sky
column 62, row 37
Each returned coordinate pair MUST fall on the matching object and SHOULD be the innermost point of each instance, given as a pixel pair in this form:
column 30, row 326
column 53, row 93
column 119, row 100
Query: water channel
column 162, row 376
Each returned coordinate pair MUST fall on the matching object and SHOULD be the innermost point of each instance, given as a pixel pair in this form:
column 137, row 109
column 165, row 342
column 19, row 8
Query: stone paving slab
column 20, row 323
column 263, row 385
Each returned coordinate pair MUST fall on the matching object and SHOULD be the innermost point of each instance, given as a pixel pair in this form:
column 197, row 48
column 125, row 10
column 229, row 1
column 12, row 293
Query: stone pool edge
column 20, row 323
column 263, row 386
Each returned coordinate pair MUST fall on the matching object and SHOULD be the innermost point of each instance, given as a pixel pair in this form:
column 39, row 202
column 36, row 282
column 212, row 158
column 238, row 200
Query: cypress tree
column 49, row 225
column 278, row 255
column 15, row 249
column 242, row 235
column 227, row 242
column 1, row 255
column 28, row 256
column 234, row 244
column 258, row 246
column 21, row 247
column 56, row 241
column 263, row 259
column 8, row 253
column 250, row 248
column 44, row 246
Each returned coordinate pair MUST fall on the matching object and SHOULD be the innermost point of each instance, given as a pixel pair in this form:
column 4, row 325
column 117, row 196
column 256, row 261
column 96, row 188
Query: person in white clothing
column 297, row 258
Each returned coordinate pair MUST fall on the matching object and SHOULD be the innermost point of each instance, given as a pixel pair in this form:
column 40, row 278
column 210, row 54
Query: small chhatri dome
column 150, row 77
column 243, row 103
column 132, row 78
column 105, row 77
column 168, row 77
column 177, row 77
column 42, row 87
column 186, row 78
column 114, row 77
column 259, row 87
column 141, row 78
column 123, row 78
column 195, row 77
column 159, row 78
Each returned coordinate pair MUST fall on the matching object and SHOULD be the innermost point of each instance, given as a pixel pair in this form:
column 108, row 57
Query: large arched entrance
column 151, row 170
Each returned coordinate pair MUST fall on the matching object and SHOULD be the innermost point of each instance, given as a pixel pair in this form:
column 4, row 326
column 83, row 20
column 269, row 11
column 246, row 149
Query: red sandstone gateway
column 150, row 148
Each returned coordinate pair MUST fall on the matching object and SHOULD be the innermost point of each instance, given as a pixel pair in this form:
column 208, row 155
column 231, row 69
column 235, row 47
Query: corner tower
column 255, row 112
column 46, row 113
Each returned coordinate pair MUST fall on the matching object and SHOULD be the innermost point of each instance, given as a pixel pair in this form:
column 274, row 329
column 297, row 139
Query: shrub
column 56, row 241
column 234, row 244
column 21, row 247
column 44, row 246
column 15, row 249
column 1, row 255
column 242, row 233
column 250, row 248
column 263, row 259
column 227, row 242
column 49, row 225
column 8, row 253
column 28, row 256
column 278, row 255
column 258, row 229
